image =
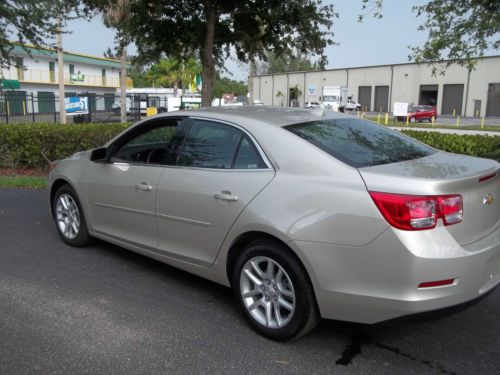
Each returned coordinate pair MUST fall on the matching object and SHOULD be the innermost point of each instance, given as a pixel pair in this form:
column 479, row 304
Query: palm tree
column 294, row 94
column 280, row 95
column 115, row 14
column 173, row 73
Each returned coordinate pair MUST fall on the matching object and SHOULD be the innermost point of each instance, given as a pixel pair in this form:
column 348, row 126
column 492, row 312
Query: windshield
column 360, row 143
column 330, row 98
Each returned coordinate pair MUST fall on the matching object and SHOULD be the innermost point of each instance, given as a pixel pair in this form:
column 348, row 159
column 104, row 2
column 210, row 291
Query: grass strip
column 27, row 182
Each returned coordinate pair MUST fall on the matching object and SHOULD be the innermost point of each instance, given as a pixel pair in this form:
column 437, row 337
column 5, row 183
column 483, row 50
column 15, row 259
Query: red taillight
column 451, row 207
column 415, row 212
column 486, row 178
column 433, row 284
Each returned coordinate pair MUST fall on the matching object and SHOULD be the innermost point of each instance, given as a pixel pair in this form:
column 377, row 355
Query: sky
column 373, row 42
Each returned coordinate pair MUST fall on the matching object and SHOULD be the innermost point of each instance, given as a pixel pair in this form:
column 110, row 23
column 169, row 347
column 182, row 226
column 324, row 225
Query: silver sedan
column 304, row 214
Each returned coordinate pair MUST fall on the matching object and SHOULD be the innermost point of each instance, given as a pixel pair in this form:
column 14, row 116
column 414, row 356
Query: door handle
column 226, row 196
column 143, row 186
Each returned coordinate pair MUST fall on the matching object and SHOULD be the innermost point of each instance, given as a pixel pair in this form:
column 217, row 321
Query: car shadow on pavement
column 348, row 339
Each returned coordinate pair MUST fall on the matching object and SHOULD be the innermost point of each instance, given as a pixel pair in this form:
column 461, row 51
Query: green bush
column 23, row 145
column 476, row 145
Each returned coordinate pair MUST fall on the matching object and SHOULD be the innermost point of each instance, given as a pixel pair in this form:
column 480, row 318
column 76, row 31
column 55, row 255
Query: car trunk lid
column 477, row 180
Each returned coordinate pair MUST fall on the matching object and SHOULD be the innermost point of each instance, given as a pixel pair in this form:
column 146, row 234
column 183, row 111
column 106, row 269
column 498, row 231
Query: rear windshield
column 360, row 143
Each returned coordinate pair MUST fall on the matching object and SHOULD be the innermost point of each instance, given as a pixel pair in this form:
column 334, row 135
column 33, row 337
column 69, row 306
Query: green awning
column 69, row 57
column 12, row 84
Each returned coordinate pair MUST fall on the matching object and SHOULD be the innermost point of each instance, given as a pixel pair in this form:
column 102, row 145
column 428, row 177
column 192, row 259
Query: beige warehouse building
column 376, row 88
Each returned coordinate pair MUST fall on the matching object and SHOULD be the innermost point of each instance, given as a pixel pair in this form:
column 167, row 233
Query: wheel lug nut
column 262, row 287
column 267, row 298
column 275, row 298
column 268, row 282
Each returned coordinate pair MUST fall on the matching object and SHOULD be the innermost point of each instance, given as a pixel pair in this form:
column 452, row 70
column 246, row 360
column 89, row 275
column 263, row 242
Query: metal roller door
column 453, row 96
column 365, row 97
column 428, row 95
column 381, row 98
column 493, row 103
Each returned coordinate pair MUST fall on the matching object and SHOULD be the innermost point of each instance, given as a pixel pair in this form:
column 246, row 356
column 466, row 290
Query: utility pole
column 123, row 84
column 60, row 75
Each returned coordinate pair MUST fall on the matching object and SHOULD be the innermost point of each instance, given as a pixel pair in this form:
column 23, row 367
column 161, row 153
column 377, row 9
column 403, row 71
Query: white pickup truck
column 350, row 105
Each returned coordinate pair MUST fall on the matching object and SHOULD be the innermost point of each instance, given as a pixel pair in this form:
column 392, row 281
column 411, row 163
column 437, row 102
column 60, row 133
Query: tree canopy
column 226, row 85
column 33, row 21
column 213, row 29
column 173, row 73
column 459, row 30
column 281, row 64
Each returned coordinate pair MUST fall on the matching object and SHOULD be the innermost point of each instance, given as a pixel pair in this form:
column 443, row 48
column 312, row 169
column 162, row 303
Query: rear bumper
column 380, row 281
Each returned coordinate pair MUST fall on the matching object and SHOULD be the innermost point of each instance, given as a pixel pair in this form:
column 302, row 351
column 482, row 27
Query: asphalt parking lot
column 105, row 310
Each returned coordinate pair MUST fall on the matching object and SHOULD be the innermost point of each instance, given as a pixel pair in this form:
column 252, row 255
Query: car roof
column 277, row 116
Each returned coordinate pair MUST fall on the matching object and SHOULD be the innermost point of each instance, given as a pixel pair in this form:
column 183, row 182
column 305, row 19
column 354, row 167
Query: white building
column 38, row 77
column 376, row 88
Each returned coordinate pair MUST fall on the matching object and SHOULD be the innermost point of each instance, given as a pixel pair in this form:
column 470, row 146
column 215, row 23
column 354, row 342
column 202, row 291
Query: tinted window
column 360, row 143
column 247, row 156
column 154, row 145
column 210, row 145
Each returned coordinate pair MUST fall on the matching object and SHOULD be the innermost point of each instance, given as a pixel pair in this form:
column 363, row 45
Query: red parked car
column 420, row 113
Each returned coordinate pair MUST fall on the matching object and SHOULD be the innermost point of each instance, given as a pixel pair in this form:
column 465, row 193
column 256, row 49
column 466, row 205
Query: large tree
column 33, row 21
column 213, row 29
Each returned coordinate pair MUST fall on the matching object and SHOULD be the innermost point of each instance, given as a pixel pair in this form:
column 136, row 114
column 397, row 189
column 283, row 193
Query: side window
column 247, row 156
column 210, row 145
column 155, row 145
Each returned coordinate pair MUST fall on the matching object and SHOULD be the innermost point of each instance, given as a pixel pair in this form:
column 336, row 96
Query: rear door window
column 210, row 144
column 360, row 143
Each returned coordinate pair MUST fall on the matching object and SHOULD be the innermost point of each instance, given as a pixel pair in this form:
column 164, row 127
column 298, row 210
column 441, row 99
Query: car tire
column 412, row 120
column 274, row 291
column 69, row 217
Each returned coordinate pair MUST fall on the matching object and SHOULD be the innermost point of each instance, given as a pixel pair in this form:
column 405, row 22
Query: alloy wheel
column 267, row 292
column 67, row 216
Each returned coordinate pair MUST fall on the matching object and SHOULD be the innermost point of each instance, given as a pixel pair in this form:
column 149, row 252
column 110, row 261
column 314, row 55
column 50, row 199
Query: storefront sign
column 76, row 106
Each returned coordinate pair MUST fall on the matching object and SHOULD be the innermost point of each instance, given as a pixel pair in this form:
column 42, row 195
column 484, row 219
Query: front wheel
column 69, row 217
column 274, row 291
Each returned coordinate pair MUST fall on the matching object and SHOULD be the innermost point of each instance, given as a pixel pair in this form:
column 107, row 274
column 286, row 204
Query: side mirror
column 99, row 154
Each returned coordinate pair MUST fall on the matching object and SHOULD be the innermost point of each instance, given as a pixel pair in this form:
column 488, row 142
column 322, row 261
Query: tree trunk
column 207, row 57
column 123, row 85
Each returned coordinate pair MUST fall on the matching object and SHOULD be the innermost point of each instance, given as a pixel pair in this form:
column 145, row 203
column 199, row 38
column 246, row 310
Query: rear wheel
column 274, row 291
column 69, row 217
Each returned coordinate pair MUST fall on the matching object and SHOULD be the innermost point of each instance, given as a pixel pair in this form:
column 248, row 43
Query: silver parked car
column 304, row 214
